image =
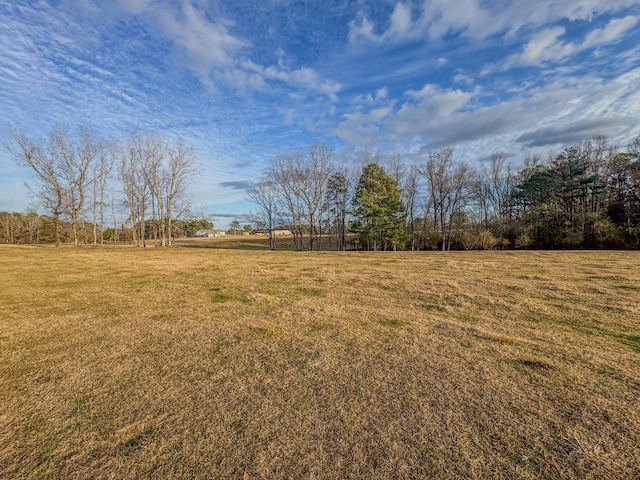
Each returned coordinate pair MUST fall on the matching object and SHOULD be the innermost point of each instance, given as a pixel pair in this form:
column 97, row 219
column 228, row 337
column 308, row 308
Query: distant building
column 210, row 233
column 265, row 231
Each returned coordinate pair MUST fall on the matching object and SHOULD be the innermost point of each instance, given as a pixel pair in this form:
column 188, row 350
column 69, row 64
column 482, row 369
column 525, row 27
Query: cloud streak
column 474, row 19
column 548, row 45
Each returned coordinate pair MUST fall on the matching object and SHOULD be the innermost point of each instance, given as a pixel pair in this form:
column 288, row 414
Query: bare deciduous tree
column 447, row 184
column 319, row 171
column 285, row 172
column 265, row 195
column 47, row 186
column 62, row 171
column 491, row 188
column 180, row 169
column 396, row 167
column 366, row 156
column 409, row 196
column 501, row 181
column 337, row 201
column 101, row 170
column 151, row 151
column 128, row 171
column 301, row 182
column 153, row 171
column 407, row 178
column 76, row 162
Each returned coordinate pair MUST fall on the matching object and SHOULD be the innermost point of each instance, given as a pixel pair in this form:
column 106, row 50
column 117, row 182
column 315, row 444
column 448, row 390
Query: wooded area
column 79, row 181
column 586, row 196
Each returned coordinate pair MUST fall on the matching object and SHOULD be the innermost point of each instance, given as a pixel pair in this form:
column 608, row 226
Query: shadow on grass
column 252, row 242
column 227, row 244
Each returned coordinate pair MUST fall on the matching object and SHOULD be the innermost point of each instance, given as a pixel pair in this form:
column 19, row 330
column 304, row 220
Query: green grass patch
column 632, row 341
column 393, row 322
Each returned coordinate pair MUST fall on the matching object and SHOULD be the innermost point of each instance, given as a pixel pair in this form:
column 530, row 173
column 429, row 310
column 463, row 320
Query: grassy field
column 246, row 363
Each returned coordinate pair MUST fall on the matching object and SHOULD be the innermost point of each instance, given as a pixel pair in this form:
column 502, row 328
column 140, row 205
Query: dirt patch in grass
column 534, row 364
column 216, row 362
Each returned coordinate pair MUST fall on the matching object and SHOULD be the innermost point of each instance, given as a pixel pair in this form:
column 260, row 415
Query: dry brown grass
column 211, row 363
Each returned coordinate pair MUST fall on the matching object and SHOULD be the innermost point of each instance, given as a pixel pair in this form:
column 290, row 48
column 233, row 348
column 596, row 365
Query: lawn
column 247, row 363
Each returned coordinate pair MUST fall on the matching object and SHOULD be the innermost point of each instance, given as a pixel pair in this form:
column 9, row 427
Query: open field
column 231, row 363
column 251, row 242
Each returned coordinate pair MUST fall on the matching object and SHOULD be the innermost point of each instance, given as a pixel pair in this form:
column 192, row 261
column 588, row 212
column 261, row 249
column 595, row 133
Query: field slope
column 214, row 363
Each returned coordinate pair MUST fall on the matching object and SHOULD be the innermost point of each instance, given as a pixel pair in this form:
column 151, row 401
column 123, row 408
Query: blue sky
column 242, row 81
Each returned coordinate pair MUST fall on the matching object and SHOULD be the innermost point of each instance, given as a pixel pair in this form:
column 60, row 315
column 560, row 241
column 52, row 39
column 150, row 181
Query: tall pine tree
column 378, row 211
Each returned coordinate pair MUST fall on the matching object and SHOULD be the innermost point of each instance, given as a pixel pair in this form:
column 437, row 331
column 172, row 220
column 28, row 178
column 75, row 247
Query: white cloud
column 610, row 33
column 400, row 21
column 445, row 102
column 565, row 111
column 369, row 99
column 207, row 45
column 362, row 127
column 462, row 78
column 242, row 80
column 547, row 46
column 568, row 133
column 429, row 105
column 373, row 116
column 537, row 118
column 543, row 47
column 401, row 27
column 213, row 53
column 303, row 77
column 439, row 17
column 361, row 32
column 476, row 19
column 441, row 62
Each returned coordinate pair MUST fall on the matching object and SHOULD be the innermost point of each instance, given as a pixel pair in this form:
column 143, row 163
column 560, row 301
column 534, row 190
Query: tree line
column 586, row 196
column 80, row 180
column 32, row 227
